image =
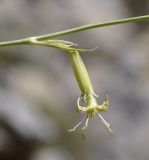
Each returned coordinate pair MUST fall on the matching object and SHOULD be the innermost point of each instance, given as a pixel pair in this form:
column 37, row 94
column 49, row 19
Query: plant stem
column 93, row 26
column 27, row 41
column 14, row 42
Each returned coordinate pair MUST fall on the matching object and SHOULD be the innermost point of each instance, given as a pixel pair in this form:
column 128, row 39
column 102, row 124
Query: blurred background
column 38, row 91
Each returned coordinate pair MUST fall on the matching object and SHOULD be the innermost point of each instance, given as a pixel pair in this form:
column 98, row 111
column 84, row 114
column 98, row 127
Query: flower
column 91, row 109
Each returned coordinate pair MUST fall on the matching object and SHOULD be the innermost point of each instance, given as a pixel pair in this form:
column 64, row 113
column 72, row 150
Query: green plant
column 88, row 96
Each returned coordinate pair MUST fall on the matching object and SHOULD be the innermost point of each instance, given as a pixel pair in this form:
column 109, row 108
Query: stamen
column 73, row 129
column 86, row 123
column 105, row 123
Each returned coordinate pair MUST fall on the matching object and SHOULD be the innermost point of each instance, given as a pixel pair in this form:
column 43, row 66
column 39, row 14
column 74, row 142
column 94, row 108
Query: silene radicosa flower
column 90, row 106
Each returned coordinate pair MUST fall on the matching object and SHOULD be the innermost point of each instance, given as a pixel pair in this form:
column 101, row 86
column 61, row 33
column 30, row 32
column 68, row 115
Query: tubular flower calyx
column 88, row 96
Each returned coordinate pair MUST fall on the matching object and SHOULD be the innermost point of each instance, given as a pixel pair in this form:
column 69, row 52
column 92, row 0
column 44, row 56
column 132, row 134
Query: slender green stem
column 14, row 42
column 73, row 30
column 92, row 26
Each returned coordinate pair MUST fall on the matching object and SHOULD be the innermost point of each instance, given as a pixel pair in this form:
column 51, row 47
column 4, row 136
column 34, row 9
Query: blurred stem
column 33, row 40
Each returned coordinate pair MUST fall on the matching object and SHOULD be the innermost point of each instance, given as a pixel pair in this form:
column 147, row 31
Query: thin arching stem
column 93, row 26
column 27, row 41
